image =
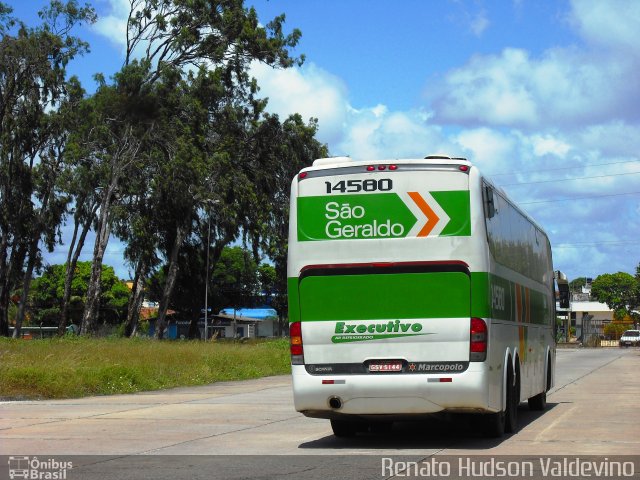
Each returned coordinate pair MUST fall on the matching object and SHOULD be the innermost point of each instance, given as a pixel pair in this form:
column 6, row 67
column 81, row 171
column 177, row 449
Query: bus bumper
column 391, row 394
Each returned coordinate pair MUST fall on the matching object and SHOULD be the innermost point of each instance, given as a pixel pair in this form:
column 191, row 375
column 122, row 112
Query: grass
column 73, row 367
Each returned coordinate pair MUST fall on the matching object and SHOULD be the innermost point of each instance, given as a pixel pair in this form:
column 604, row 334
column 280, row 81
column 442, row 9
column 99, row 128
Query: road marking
column 539, row 437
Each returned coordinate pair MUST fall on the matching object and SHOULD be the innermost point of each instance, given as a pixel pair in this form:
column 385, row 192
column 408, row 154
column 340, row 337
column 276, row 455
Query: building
column 250, row 322
column 586, row 316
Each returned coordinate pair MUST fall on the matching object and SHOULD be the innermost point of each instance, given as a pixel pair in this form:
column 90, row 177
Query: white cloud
column 113, row 25
column 492, row 150
column 391, row 135
column 479, row 23
column 465, row 18
column 512, row 112
column 370, row 132
column 548, row 145
column 563, row 87
column 309, row 91
column 610, row 24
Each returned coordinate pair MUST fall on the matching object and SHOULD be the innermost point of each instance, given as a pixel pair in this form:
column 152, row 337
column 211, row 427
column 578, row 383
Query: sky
column 543, row 96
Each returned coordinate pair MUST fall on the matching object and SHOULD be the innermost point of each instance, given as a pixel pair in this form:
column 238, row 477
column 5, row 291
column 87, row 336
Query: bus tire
column 493, row 424
column 513, row 399
column 539, row 402
column 344, row 428
column 381, row 428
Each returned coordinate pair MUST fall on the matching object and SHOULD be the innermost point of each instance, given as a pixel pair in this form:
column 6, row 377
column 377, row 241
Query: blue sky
column 545, row 95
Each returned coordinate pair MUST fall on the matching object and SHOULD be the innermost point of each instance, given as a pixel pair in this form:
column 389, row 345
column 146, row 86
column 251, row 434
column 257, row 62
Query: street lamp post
column 209, row 203
column 206, row 281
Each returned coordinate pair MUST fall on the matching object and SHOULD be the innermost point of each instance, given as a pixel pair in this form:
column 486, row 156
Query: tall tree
column 279, row 151
column 219, row 39
column 32, row 84
column 110, row 139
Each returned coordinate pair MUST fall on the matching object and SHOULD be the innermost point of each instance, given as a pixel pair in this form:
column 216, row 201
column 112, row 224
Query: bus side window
column 490, row 211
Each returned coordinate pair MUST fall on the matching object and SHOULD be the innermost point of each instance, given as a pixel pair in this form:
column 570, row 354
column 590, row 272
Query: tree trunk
column 4, row 287
column 90, row 313
column 26, row 285
column 72, row 262
column 171, row 280
column 11, row 271
column 36, row 233
column 135, row 300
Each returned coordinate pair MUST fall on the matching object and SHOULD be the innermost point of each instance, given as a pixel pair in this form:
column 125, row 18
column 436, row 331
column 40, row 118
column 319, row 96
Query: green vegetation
column 620, row 291
column 47, row 293
column 175, row 155
column 72, row 367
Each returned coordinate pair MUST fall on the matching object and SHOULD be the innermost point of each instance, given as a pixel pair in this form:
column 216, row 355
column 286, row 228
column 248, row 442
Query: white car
column 630, row 338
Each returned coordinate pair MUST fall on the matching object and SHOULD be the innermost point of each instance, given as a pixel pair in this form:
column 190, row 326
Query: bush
column 615, row 329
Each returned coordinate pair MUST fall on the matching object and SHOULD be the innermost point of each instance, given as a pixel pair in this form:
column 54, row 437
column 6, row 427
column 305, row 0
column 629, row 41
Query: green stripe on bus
column 495, row 297
column 423, row 295
column 456, row 204
column 384, row 296
column 293, row 299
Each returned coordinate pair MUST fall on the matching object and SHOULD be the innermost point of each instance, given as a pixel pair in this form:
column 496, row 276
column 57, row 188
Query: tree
column 168, row 36
column 235, row 278
column 267, row 281
column 47, row 294
column 280, row 151
column 576, row 284
column 32, row 86
column 620, row 291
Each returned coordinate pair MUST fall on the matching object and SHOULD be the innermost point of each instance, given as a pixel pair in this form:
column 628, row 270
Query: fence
column 593, row 333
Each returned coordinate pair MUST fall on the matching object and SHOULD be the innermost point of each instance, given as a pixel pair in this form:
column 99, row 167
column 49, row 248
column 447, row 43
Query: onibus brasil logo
column 40, row 469
column 348, row 332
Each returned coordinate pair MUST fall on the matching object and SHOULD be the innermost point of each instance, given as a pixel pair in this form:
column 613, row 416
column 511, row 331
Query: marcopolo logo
column 348, row 332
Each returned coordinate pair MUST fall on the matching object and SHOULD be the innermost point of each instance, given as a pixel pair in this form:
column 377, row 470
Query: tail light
column 295, row 336
column 478, row 340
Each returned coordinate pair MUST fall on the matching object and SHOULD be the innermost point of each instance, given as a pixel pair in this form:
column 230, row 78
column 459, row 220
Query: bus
column 416, row 287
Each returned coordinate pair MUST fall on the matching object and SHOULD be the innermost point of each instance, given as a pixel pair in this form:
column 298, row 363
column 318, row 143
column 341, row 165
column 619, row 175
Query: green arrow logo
column 379, row 215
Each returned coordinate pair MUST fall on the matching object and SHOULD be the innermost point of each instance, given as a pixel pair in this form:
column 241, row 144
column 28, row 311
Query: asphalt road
column 250, row 429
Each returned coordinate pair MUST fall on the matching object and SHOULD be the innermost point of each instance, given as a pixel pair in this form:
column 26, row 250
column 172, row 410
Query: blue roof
column 257, row 313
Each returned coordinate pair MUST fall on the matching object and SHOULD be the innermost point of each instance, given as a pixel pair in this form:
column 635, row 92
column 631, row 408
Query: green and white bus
column 416, row 287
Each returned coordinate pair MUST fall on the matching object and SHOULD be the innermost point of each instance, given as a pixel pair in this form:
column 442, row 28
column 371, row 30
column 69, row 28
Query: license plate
column 385, row 367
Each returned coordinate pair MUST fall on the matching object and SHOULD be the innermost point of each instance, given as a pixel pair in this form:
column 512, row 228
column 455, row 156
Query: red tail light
column 295, row 339
column 478, row 340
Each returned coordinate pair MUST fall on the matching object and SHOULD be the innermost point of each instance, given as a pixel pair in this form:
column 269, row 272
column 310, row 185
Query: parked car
column 630, row 338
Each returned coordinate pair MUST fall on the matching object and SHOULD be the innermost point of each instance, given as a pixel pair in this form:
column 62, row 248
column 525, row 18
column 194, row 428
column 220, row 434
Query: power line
column 561, row 168
column 596, row 244
column 568, row 179
column 579, row 198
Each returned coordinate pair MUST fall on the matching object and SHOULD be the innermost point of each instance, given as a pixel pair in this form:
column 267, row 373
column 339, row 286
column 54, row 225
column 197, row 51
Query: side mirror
column 564, row 297
column 563, row 288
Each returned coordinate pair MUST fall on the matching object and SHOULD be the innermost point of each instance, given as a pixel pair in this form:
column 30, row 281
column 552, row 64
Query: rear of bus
column 380, row 274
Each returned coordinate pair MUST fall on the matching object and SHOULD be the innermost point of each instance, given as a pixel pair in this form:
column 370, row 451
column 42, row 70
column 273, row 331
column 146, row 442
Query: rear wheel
column 496, row 424
column 380, row 428
column 539, row 402
column 344, row 428
column 493, row 424
column 513, row 399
